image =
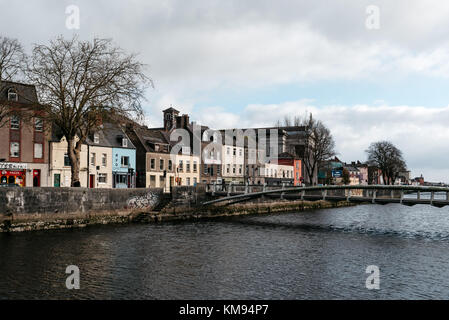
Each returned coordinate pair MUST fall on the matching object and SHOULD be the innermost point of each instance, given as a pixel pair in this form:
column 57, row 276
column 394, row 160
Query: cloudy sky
column 248, row 63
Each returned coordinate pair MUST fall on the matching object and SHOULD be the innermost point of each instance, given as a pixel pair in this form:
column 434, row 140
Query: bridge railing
column 367, row 192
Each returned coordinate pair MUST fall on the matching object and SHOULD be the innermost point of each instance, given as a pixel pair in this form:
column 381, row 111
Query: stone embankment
column 27, row 209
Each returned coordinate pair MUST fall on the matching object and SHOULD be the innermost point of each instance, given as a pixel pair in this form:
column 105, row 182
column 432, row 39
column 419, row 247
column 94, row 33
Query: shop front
column 13, row 173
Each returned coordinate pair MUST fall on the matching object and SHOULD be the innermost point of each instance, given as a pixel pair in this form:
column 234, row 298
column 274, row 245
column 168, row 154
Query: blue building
column 123, row 157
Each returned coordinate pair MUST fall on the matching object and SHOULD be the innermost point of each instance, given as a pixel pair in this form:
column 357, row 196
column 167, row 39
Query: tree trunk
column 73, row 150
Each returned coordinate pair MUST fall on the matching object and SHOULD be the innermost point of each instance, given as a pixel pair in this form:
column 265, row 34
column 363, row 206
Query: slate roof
column 109, row 136
column 26, row 92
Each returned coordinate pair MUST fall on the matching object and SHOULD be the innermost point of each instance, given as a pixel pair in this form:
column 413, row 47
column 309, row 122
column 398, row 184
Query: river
column 320, row 254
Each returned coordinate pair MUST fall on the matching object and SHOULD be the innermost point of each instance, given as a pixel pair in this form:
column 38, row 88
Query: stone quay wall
column 27, row 209
column 24, row 209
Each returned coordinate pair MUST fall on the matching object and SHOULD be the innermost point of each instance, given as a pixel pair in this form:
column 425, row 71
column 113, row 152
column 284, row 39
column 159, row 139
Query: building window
column 152, row 164
column 104, row 159
column 185, row 150
column 234, row 152
column 195, row 166
column 228, row 168
column 102, row 178
column 240, row 169
column 12, row 95
column 170, row 165
column 181, row 166
column 125, row 162
column 15, row 149
column 92, row 159
column 124, row 142
column 188, row 181
column 194, row 181
column 38, row 151
column 38, row 124
column 187, row 166
column 15, row 122
column 161, row 164
column 233, row 168
column 66, row 160
column 240, row 152
column 206, row 169
column 96, row 138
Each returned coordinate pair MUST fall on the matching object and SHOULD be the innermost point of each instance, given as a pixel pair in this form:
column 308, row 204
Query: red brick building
column 24, row 137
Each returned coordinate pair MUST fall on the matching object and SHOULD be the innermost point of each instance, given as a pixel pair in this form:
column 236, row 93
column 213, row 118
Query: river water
column 321, row 254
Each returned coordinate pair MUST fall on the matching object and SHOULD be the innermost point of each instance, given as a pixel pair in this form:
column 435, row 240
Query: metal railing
column 356, row 193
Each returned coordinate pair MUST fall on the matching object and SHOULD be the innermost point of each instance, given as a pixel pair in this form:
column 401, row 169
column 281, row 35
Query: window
column 187, row 166
column 152, row 164
column 38, row 151
column 66, row 160
column 92, row 159
column 188, row 181
column 161, row 164
column 102, row 178
column 240, row 169
column 233, row 168
column 240, row 152
column 38, row 125
column 181, row 166
column 124, row 142
column 234, row 152
column 12, row 95
column 15, row 122
column 104, row 159
column 194, row 181
column 228, row 150
column 170, row 165
column 228, row 168
column 195, row 165
column 96, row 138
column 206, row 169
column 185, row 150
column 15, row 149
column 125, row 162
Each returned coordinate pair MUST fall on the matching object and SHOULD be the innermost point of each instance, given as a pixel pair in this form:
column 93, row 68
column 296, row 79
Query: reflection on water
column 319, row 254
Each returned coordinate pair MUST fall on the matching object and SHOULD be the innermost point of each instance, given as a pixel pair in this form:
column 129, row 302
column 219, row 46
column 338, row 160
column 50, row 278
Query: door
column 36, row 178
column 57, row 180
column 92, row 181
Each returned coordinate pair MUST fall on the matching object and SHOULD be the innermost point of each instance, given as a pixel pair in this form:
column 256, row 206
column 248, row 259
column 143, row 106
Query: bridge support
column 374, row 196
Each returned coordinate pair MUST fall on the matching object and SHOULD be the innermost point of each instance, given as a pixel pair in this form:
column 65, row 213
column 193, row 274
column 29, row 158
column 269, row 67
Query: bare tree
column 81, row 84
column 12, row 62
column 318, row 143
column 388, row 158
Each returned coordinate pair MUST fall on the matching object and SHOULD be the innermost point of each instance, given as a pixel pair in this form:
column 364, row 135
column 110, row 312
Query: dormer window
column 12, row 95
column 124, row 142
column 96, row 138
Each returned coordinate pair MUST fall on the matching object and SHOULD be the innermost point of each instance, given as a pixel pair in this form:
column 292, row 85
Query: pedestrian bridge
column 377, row 194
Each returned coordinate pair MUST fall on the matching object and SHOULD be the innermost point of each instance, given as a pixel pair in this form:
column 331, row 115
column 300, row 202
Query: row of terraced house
column 125, row 154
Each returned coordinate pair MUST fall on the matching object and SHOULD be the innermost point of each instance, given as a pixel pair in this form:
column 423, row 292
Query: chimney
column 185, row 121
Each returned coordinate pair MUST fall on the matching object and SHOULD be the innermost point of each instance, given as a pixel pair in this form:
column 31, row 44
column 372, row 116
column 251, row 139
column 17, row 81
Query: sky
column 238, row 63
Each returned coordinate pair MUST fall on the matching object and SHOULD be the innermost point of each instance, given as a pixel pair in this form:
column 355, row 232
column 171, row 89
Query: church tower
column 170, row 115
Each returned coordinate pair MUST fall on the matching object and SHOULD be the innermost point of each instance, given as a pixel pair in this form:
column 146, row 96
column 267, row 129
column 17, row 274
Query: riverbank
column 21, row 223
